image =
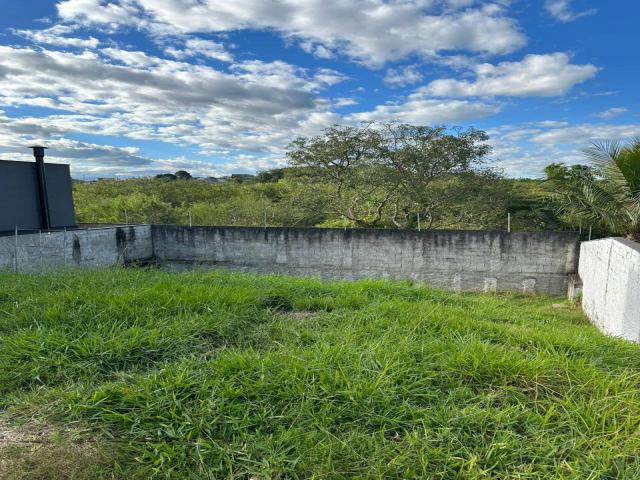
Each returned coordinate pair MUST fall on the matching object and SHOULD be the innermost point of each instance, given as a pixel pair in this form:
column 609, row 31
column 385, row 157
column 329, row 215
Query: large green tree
column 375, row 172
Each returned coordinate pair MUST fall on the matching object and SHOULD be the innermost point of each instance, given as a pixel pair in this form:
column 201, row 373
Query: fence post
column 509, row 222
column 126, row 217
column 190, row 221
column 64, row 246
column 589, row 232
column 418, row 221
column 40, row 245
column 15, row 251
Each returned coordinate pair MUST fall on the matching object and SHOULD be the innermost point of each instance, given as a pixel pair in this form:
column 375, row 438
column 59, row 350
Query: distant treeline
column 280, row 198
column 387, row 176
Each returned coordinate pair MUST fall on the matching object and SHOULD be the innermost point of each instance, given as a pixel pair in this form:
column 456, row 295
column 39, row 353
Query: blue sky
column 138, row 87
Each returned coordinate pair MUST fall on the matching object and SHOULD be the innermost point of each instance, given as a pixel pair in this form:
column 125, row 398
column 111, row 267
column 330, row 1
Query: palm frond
column 603, row 151
column 606, row 158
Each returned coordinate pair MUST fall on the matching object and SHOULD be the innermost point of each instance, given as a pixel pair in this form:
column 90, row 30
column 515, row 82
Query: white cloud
column 402, row 76
column 326, row 77
column 370, row 31
column 252, row 110
column 131, row 58
column 95, row 11
column 551, row 123
column 255, row 107
column 278, row 73
column 95, row 160
column 536, row 75
column 84, row 157
column 418, row 109
column 86, row 83
column 344, row 102
column 194, row 47
column 612, row 112
column 524, row 150
column 58, row 35
column 240, row 116
column 561, row 10
column 586, row 134
column 317, row 50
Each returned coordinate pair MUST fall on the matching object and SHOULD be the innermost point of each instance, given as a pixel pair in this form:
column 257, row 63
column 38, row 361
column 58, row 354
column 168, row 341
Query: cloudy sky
column 137, row 87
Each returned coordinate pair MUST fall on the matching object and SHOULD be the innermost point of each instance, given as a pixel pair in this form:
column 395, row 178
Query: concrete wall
column 530, row 262
column 610, row 272
column 539, row 262
column 82, row 247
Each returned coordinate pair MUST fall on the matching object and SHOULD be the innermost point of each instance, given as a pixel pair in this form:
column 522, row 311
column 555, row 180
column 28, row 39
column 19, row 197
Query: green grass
column 215, row 375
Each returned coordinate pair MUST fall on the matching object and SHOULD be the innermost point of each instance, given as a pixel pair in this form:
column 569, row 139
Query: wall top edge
column 568, row 234
column 622, row 240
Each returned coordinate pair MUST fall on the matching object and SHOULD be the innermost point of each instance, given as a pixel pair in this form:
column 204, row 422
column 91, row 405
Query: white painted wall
column 610, row 273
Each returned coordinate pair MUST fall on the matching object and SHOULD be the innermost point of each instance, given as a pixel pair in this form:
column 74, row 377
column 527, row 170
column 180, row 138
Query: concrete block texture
column 610, row 273
column 77, row 247
column 528, row 262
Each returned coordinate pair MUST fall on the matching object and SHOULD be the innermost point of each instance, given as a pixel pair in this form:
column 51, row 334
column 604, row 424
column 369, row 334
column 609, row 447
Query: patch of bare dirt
column 37, row 451
column 23, row 435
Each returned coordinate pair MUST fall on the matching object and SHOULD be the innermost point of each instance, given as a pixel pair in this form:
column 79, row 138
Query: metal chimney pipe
column 38, row 153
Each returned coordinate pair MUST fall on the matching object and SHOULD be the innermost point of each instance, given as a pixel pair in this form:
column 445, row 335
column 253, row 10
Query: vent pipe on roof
column 38, row 153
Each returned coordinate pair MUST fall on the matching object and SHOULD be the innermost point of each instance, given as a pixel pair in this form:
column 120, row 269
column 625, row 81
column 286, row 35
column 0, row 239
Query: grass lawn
column 212, row 375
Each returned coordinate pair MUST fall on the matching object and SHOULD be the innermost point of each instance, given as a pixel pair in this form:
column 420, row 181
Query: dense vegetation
column 606, row 192
column 373, row 175
column 387, row 176
column 282, row 199
column 144, row 374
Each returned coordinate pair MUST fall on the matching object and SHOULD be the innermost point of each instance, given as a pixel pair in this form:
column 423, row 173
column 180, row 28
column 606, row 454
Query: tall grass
column 218, row 375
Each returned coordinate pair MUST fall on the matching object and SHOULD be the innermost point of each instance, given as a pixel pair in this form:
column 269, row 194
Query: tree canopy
column 179, row 175
column 369, row 172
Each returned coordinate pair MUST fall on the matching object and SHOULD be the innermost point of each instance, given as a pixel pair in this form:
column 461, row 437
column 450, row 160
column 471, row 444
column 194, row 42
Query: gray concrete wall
column 82, row 247
column 530, row 262
column 610, row 273
column 537, row 262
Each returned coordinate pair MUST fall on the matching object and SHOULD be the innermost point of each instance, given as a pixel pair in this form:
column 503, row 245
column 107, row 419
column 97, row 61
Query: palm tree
column 606, row 193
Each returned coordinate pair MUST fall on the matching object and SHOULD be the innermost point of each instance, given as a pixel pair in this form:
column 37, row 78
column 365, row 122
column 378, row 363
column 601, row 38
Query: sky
column 126, row 88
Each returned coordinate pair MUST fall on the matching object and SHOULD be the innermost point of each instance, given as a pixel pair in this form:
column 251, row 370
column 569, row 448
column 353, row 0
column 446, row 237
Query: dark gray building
column 35, row 195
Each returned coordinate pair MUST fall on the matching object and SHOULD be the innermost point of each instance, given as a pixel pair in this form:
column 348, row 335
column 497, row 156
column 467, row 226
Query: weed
column 210, row 375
